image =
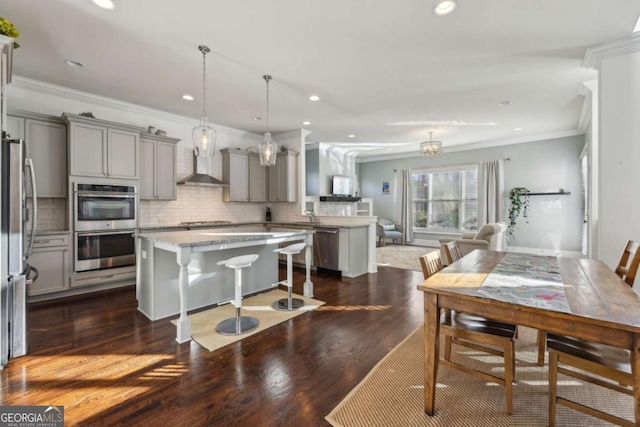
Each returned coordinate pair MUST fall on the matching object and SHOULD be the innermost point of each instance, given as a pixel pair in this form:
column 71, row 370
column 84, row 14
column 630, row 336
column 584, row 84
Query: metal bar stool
column 239, row 324
column 288, row 304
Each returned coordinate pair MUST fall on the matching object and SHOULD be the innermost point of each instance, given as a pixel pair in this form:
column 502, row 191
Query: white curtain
column 404, row 203
column 490, row 192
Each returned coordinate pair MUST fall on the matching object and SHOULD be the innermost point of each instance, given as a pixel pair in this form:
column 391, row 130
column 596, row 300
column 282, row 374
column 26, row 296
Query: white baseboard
column 424, row 242
column 548, row 252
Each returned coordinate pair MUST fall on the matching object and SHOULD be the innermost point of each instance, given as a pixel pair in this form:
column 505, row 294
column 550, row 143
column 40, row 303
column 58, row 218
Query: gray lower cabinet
column 246, row 178
column 102, row 149
column 46, row 140
column 158, row 168
column 51, row 256
column 283, row 178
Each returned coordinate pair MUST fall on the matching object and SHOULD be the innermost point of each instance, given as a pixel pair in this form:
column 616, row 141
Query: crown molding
column 478, row 145
column 312, row 146
column 586, row 89
column 295, row 133
column 594, row 55
column 102, row 101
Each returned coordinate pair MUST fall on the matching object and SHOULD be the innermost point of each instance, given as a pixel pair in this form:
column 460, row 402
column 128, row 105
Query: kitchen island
column 177, row 271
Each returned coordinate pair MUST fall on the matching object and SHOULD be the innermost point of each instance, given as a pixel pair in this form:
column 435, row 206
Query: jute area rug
column 203, row 324
column 401, row 256
column 392, row 394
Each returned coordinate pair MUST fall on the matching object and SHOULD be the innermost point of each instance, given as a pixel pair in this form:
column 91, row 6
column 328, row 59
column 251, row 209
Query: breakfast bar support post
column 308, row 285
column 431, row 350
column 184, row 323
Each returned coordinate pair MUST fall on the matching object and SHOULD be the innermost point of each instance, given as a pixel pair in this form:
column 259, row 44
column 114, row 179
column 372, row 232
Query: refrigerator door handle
column 31, row 274
column 34, row 199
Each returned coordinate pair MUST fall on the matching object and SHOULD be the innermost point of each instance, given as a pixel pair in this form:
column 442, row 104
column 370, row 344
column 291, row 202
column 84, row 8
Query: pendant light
column 431, row 148
column 267, row 149
column 204, row 137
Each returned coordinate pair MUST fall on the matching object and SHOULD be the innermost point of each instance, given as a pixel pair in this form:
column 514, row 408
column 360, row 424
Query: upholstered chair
column 388, row 230
column 491, row 237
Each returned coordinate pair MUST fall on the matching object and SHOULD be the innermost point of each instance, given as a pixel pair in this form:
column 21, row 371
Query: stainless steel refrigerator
column 19, row 208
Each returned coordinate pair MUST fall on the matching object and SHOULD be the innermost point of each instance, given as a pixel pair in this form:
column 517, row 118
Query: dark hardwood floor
column 109, row 365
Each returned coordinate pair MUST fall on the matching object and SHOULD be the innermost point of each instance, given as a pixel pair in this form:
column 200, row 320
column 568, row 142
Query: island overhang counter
column 177, row 271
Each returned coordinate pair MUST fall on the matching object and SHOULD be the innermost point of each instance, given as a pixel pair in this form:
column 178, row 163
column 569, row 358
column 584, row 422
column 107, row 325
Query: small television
column 341, row 185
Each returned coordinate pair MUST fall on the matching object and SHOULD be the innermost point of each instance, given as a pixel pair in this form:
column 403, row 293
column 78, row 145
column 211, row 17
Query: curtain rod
column 506, row 159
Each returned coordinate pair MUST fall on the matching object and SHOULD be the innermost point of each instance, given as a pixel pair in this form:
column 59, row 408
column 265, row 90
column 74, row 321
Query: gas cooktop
column 204, row 222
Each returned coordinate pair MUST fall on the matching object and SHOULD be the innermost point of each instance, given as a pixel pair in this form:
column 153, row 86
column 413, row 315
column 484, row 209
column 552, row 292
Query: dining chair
column 595, row 361
column 431, row 263
column 627, row 269
column 452, row 251
column 476, row 333
column 628, row 265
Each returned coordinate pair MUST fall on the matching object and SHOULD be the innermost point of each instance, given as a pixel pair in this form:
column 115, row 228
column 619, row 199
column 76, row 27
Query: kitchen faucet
column 311, row 215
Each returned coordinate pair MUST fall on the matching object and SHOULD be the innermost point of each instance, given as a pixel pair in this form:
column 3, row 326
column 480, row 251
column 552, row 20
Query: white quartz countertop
column 220, row 235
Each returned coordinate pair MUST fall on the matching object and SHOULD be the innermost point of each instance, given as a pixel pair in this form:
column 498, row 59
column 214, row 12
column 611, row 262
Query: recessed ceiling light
column 389, row 149
column 74, row 64
column 257, row 118
column 187, row 97
column 314, row 98
column 351, row 136
column 306, row 123
column 517, row 128
column 105, row 4
column 504, row 103
column 445, row 7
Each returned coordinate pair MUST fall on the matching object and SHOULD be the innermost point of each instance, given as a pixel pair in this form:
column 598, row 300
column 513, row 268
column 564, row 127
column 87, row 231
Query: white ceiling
column 371, row 63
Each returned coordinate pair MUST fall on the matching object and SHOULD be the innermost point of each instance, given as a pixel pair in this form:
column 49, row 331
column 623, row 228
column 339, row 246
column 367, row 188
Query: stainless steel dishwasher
column 326, row 248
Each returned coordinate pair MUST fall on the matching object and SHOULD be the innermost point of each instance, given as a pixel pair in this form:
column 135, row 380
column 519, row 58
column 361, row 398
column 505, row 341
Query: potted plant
column 518, row 203
column 7, row 29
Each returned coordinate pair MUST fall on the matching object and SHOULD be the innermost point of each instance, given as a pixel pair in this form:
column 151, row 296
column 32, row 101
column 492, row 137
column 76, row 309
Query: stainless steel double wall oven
column 105, row 221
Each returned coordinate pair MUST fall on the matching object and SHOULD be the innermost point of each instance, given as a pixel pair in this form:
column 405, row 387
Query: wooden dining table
column 602, row 308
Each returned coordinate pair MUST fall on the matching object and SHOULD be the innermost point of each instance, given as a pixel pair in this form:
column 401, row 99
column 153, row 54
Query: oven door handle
column 110, row 195
column 105, row 233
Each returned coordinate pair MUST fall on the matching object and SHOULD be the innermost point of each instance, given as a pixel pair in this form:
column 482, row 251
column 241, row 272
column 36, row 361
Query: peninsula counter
column 177, row 271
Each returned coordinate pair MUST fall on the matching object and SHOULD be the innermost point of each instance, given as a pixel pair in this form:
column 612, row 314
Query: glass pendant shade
column 268, row 151
column 204, row 139
column 431, row 148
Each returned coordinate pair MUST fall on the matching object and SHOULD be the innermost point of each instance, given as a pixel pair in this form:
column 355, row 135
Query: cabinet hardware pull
column 42, row 241
column 106, row 277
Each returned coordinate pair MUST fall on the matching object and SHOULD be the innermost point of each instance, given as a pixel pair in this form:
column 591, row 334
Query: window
column 445, row 199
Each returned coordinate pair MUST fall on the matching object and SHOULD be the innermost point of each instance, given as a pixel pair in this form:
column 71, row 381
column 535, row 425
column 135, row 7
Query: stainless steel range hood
column 200, row 177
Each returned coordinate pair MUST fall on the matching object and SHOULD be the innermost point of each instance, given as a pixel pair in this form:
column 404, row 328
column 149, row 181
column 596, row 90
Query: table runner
column 530, row 280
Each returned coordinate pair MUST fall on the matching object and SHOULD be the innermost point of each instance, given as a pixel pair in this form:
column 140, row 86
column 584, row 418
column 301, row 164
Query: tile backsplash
column 52, row 214
column 197, row 204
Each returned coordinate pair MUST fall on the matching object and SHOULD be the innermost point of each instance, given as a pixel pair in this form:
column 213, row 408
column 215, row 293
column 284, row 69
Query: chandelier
column 204, row 137
column 267, row 149
column 431, row 148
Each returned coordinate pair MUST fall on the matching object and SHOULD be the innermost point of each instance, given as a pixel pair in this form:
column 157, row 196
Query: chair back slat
column 452, row 251
column 628, row 266
column 431, row 263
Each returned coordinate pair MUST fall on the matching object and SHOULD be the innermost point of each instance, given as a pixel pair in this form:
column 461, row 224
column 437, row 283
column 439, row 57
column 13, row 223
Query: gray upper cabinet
column 98, row 148
column 246, row 178
column 158, row 167
column 46, row 141
column 283, row 178
column 257, row 180
column 15, row 127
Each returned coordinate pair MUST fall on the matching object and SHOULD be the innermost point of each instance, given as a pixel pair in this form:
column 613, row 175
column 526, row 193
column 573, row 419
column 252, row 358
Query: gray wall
column 619, row 205
column 554, row 221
